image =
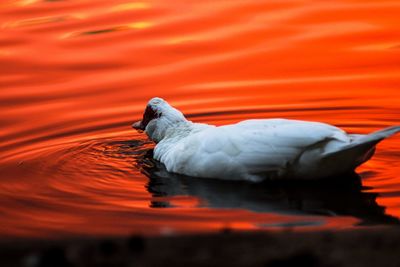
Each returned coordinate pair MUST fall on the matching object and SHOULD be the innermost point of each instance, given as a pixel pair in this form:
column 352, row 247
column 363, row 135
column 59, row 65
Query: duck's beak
column 138, row 126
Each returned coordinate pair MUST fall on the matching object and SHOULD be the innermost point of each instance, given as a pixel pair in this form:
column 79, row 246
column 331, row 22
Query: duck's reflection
column 340, row 196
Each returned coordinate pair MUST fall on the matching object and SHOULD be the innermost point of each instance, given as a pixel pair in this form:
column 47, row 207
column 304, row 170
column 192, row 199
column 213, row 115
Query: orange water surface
column 74, row 75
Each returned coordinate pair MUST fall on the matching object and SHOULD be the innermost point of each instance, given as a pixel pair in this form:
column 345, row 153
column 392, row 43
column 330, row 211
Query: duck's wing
column 249, row 147
column 270, row 145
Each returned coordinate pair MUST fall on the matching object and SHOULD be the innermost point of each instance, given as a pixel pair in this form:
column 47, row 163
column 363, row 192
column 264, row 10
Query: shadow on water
column 343, row 196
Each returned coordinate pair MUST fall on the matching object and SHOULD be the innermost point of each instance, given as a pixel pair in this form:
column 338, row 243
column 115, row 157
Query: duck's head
column 157, row 118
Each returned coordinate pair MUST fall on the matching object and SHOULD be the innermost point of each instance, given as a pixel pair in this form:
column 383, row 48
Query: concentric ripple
column 76, row 74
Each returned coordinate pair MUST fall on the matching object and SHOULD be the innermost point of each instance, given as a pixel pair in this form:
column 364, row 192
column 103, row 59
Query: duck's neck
column 178, row 130
column 165, row 130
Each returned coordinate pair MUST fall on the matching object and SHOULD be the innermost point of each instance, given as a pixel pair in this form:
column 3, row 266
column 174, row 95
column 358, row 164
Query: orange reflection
column 76, row 74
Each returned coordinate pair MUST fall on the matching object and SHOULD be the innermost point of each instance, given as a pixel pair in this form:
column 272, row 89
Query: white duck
column 254, row 150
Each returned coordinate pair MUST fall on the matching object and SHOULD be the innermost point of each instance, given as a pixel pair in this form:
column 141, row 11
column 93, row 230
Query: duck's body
column 254, row 150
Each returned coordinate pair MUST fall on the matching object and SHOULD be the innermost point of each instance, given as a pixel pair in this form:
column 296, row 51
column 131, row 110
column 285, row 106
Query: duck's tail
column 360, row 149
column 379, row 135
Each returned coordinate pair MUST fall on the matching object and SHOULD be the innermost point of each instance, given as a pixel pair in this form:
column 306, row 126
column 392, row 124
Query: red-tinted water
column 76, row 74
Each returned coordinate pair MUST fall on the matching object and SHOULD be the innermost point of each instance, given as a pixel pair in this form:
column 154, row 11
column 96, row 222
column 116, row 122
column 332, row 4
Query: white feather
column 255, row 150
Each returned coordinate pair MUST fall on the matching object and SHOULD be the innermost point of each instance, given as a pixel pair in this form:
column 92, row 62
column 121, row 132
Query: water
column 75, row 75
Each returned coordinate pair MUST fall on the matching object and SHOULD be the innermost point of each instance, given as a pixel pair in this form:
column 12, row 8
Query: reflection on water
column 341, row 196
column 75, row 74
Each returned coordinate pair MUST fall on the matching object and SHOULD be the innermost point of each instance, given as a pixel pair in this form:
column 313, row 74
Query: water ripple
column 76, row 74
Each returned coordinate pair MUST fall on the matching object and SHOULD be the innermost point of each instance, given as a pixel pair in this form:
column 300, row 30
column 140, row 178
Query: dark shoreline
column 361, row 247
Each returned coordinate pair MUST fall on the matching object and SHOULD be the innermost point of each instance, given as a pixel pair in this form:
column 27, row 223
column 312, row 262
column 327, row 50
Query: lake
column 74, row 76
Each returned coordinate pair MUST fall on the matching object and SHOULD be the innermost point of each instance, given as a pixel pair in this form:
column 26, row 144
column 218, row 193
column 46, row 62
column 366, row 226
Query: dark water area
column 75, row 75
